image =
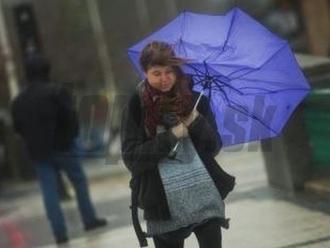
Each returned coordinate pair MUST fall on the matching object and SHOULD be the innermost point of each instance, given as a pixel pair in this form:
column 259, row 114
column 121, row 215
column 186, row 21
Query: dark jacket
column 44, row 116
column 141, row 155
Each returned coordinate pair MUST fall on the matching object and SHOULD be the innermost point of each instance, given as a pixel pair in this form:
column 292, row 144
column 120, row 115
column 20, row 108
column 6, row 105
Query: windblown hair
column 159, row 53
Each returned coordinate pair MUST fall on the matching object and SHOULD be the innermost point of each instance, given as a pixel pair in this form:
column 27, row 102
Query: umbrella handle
column 198, row 100
column 174, row 151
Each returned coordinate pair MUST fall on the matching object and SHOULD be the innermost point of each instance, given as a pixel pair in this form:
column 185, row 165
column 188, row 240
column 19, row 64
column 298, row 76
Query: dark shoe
column 97, row 223
column 60, row 241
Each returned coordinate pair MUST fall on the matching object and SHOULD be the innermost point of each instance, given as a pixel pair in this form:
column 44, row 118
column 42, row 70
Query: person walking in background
column 43, row 114
column 181, row 191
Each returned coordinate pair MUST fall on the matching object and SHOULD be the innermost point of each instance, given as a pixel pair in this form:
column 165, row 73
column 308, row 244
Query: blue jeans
column 46, row 173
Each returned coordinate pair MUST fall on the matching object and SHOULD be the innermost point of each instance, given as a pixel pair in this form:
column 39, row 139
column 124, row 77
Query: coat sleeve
column 203, row 130
column 138, row 152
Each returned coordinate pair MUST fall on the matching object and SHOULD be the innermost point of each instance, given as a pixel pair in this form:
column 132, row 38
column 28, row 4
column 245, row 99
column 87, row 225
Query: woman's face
column 161, row 78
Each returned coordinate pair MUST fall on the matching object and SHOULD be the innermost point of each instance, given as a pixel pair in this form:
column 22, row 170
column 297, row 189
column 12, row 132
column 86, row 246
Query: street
column 261, row 217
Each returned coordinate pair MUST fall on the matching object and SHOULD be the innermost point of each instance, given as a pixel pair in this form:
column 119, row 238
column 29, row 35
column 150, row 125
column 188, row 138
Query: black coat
column 141, row 155
column 44, row 116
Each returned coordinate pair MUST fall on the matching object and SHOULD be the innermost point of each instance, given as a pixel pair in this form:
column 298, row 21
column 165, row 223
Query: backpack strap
column 141, row 235
column 136, row 108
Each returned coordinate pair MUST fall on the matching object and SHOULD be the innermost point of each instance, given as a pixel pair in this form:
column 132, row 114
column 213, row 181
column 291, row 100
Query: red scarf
column 156, row 103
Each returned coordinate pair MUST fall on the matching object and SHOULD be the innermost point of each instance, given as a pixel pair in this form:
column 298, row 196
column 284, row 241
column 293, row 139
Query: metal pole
column 8, row 56
column 143, row 15
column 172, row 9
column 102, row 46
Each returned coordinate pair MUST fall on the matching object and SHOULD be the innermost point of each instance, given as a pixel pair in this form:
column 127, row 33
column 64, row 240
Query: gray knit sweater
column 191, row 193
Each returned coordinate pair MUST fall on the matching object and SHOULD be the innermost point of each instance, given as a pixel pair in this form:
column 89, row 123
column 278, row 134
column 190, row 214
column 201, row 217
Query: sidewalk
column 95, row 169
column 261, row 217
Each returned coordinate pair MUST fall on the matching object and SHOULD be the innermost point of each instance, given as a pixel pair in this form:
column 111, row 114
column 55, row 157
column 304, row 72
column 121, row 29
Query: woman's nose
column 164, row 77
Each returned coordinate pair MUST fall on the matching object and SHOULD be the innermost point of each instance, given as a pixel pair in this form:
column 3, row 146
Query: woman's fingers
column 180, row 131
column 193, row 115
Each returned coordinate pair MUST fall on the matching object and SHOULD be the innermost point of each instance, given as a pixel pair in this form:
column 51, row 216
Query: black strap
column 135, row 182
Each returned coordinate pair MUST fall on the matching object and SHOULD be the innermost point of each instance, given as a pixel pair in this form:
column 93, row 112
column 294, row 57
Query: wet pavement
column 261, row 216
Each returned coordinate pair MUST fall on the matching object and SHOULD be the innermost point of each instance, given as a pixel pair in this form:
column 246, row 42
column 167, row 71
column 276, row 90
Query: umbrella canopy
column 250, row 75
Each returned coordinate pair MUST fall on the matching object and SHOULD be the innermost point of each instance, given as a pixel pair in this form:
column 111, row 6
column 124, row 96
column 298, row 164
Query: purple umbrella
column 250, row 75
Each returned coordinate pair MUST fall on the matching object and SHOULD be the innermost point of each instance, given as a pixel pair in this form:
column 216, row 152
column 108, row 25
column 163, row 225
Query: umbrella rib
column 264, row 81
column 199, row 77
column 183, row 20
column 245, row 112
column 251, row 115
column 195, row 69
column 228, row 35
column 202, row 73
column 182, row 25
column 229, row 102
column 180, row 41
column 229, row 86
column 271, row 91
column 216, row 81
column 218, row 85
column 285, row 44
column 198, row 82
column 236, row 106
column 213, row 78
column 256, row 69
column 244, row 68
column 206, row 69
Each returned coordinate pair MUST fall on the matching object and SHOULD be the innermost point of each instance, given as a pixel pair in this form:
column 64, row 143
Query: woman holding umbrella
column 169, row 145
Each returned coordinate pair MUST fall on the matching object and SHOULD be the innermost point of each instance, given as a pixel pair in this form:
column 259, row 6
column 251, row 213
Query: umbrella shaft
column 173, row 152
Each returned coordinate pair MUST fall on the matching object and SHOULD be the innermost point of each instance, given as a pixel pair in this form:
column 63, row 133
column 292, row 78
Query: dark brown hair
column 159, row 53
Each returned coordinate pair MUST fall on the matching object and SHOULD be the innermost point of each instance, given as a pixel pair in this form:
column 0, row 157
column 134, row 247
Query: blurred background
column 86, row 41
